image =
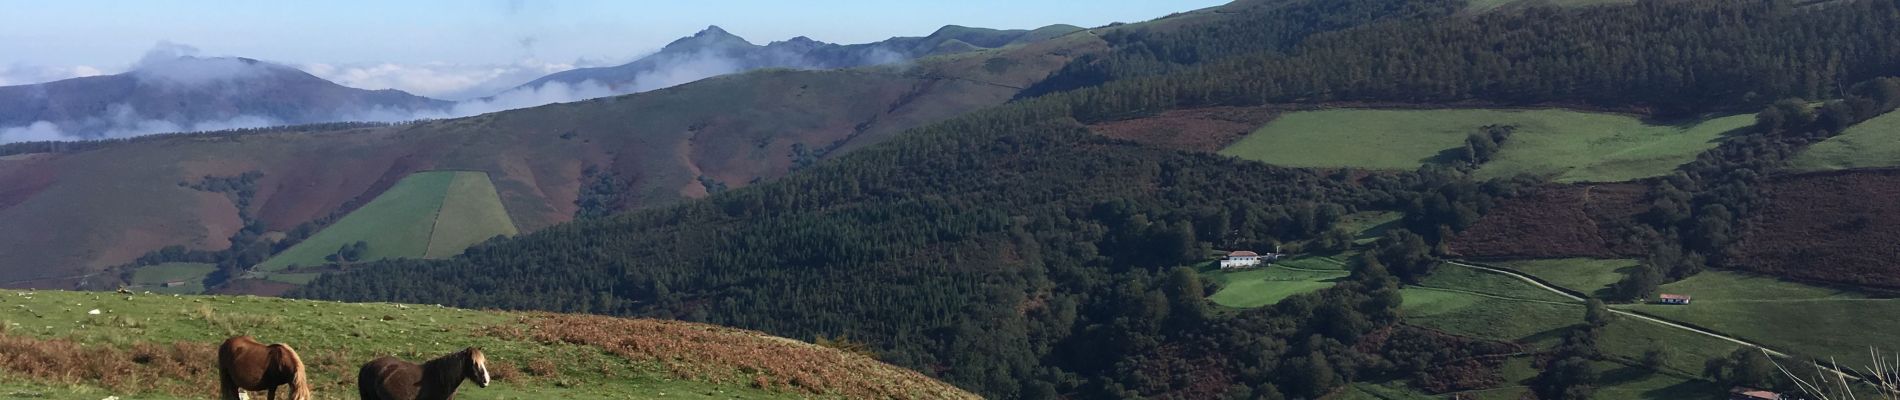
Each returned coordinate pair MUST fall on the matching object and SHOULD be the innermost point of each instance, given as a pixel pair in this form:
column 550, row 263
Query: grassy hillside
column 470, row 214
column 434, row 214
column 1567, row 146
column 1491, row 306
column 397, row 224
column 1587, row 275
column 1874, row 143
column 1265, row 286
column 1798, row 318
column 164, row 347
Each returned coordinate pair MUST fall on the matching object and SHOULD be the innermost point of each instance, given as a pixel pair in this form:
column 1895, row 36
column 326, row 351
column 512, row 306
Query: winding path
column 1568, row 294
column 1705, row 332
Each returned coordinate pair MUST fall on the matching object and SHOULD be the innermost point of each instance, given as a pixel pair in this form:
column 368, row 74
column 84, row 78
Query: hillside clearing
column 1586, row 275
column 396, row 225
column 434, row 214
column 1485, row 307
column 1802, row 319
column 1266, row 286
column 535, row 355
column 471, row 213
column 1564, row 145
column 1447, row 277
column 1870, row 144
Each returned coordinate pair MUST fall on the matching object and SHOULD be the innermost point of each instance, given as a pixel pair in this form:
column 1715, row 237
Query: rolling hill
column 189, row 94
column 656, row 145
column 149, row 346
column 641, row 150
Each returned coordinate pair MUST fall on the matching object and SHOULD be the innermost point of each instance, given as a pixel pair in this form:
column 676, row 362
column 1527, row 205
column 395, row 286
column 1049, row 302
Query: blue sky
column 110, row 34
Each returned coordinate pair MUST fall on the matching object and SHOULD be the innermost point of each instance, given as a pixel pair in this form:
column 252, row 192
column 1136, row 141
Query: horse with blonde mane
column 246, row 364
column 390, row 378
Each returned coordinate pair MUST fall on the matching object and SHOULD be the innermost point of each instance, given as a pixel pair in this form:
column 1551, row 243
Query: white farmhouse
column 1246, row 259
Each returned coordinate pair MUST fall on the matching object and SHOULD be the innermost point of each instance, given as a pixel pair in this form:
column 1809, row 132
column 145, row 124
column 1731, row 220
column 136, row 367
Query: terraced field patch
column 1564, row 145
column 434, row 214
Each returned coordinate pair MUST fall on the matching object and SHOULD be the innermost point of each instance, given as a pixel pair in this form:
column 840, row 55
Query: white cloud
column 122, row 121
column 439, row 80
column 177, row 64
column 24, row 74
column 38, row 131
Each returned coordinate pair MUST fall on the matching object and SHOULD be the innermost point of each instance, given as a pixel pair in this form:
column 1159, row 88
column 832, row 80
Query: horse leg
column 273, row 393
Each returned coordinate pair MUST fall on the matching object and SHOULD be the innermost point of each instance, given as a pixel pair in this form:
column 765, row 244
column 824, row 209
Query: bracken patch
column 179, row 369
column 1556, row 222
column 1835, row 227
column 1204, row 130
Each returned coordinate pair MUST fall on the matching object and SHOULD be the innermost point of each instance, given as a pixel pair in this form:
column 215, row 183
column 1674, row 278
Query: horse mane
column 442, row 375
column 299, row 384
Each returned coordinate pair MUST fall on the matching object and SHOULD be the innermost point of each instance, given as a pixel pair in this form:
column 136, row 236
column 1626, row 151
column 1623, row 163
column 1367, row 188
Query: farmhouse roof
column 1243, row 253
column 1670, row 296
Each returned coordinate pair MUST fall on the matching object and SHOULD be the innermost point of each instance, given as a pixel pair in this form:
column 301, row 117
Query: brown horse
column 246, row 364
column 388, row 378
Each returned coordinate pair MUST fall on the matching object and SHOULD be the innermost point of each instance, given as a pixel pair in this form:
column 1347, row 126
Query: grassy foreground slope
column 160, row 346
column 1874, row 143
column 1567, row 146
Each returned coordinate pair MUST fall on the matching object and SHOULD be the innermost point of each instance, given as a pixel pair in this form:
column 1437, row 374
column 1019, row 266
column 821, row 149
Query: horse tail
column 299, row 385
column 227, row 387
column 365, row 377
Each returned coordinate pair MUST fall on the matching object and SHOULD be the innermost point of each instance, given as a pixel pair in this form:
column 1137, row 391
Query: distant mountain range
column 216, row 93
column 713, row 52
column 192, row 93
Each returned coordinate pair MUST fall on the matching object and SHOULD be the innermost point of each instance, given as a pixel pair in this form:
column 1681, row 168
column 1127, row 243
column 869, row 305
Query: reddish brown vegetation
column 1560, row 221
column 1835, row 227
column 1191, row 371
column 733, row 356
column 1203, row 129
column 182, row 369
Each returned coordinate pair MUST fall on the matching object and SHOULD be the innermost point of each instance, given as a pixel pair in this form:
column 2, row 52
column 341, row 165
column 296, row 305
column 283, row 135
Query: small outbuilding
column 174, row 283
column 1669, row 298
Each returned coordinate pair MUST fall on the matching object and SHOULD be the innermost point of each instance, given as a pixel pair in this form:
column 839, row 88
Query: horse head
column 476, row 368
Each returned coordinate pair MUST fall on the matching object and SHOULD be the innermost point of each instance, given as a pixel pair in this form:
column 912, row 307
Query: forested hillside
column 1013, row 253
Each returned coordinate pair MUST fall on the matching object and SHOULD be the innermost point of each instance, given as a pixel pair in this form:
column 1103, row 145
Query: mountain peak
column 711, row 37
column 714, row 31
